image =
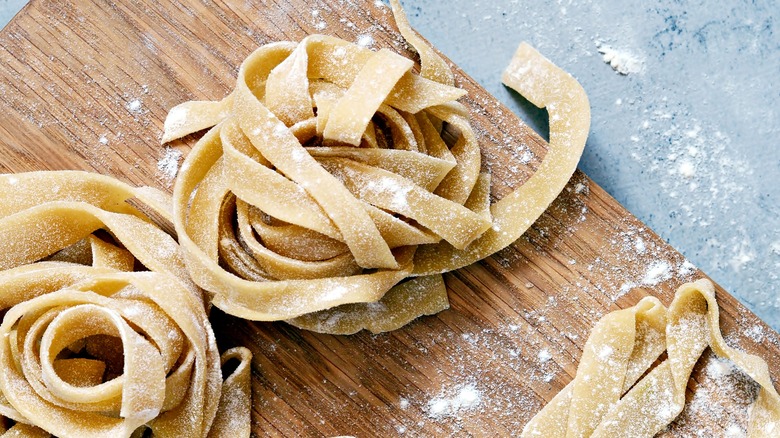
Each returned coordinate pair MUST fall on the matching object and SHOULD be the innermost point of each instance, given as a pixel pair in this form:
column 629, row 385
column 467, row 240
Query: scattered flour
column 134, row 106
column 686, row 268
column 169, row 164
column 734, row 431
column 718, row 369
column 334, row 293
column 657, row 272
column 686, row 169
column 720, row 404
column 755, row 333
column 703, row 181
column 640, row 246
column 742, row 256
column 466, row 397
column 365, row 41
column 605, row 353
column 622, row 62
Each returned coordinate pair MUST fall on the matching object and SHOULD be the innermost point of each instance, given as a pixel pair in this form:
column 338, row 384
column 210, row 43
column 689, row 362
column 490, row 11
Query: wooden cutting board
column 87, row 86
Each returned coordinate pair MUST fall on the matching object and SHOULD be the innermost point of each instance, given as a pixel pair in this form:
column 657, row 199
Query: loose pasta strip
column 343, row 150
column 90, row 345
column 607, row 397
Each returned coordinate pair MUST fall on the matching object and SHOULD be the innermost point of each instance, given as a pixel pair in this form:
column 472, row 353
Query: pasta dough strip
column 546, row 86
column 272, row 300
column 349, row 116
column 171, row 379
column 346, row 143
column 603, row 400
column 399, row 306
column 282, row 149
column 432, row 66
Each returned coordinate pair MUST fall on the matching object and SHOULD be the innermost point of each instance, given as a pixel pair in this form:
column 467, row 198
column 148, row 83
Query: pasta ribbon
column 607, row 398
column 333, row 173
column 93, row 344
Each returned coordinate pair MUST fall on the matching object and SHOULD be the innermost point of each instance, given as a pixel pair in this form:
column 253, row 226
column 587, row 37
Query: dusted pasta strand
column 230, row 155
column 605, row 399
column 342, row 150
column 234, row 413
column 546, row 86
column 89, row 347
column 432, row 66
column 401, row 304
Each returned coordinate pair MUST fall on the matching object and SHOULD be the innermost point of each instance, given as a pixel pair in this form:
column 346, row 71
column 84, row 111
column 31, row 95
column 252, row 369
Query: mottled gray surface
column 687, row 141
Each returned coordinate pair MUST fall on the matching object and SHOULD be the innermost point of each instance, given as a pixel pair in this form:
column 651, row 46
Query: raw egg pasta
column 607, row 398
column 92, row 344
column 333, row 173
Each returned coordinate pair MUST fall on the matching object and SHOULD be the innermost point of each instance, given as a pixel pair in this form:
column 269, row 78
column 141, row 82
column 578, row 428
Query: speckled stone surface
column 687, row 140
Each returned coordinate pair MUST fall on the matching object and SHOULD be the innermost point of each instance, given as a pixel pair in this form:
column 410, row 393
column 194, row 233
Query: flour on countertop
column 705, row 190
column 623, row 62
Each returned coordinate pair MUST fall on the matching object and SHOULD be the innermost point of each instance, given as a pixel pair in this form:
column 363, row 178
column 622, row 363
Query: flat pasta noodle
column 607, row 398
column 326, row 179
column 91, row 346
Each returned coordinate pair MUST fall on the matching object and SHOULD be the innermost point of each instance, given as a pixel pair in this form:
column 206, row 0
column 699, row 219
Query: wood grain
column 70, row 75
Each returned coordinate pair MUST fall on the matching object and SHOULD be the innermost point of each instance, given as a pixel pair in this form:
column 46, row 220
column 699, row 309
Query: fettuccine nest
column 92, row 344
column 335, row 184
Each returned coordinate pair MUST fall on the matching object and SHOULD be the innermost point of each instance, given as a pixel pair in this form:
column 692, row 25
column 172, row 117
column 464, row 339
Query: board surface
column 87, row 86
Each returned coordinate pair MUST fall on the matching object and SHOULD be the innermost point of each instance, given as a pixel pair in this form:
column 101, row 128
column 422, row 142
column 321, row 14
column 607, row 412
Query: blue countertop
column 685, row 98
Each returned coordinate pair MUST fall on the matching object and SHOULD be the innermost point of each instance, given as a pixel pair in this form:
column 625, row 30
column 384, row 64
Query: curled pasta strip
column 331, row 175
column 607, row 397
column 89, row 345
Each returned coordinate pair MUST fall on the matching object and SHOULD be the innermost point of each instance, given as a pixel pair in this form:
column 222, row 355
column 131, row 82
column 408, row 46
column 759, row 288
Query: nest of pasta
column 336, row 184
column 103, row 332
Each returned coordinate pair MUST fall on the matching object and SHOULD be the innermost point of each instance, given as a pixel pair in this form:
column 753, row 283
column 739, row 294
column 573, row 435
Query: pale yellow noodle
column 607, row 398
column 91, row 346
column 342, row 150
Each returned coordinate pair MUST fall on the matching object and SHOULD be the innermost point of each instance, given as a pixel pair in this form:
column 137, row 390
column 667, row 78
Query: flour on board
column 134, row 106
column 169, row 164
column 466, row 397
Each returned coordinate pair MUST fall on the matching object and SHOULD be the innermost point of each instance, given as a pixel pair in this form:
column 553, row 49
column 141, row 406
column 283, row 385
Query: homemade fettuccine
column 332, row 173
column 92, row 344
column 607, row 398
